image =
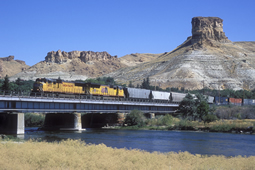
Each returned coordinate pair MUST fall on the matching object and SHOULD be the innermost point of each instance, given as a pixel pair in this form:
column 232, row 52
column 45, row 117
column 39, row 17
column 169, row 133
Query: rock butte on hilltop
column 10, row 67
column 207, row 58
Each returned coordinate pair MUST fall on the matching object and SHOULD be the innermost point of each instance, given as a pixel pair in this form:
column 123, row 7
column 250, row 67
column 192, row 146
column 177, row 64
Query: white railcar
column 160, row 95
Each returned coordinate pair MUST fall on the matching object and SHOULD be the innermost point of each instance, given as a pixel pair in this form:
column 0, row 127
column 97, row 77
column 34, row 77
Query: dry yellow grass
column 74, row 154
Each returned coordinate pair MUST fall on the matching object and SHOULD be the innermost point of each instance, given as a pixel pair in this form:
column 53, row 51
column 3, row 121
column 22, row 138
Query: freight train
column 61, row 88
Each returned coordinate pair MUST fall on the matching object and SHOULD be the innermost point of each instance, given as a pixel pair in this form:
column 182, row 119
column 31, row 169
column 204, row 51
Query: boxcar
column 235, row 101
column 221, row 100
column 249, row 101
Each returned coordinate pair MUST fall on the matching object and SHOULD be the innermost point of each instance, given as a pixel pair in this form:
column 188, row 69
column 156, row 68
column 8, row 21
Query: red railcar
column 235, row 101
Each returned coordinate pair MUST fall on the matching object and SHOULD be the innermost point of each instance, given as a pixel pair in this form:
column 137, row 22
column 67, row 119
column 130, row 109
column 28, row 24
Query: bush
column 34, row 120
column 184, row 124
column 238, row 112
column 135, row 117
column 223, row 127
column 167, row 120
column 209, row 118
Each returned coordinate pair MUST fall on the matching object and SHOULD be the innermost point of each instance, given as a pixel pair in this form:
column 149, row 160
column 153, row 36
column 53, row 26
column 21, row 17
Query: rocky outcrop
column 72, row 65
column 9, row 58
column 10, row 67
column 207, row 28
column 84, row 56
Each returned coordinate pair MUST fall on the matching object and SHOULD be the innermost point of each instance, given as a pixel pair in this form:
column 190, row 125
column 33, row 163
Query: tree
column 130, row 84
column 6, row 84
column 135, row 117
column 188, row 106
column 146, row 83
column 202, row 110
column 18, row 82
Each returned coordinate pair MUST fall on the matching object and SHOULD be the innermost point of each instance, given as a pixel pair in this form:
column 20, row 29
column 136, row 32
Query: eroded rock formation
column 207, row 28
column 10, row 67
column 84, row 56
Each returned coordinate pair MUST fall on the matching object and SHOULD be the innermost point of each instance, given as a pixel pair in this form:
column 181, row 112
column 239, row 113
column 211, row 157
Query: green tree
column 6, row 84
column 130, row 84
column 188, row 106
column 135, row 117
column 18, row 82
column 146, row 83
column 202, row 110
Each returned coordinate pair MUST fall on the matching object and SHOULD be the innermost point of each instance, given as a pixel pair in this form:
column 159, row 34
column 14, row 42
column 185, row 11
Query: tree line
column 17, row 86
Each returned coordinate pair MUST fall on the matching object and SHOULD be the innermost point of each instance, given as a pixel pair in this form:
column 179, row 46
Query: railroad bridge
column 69, row 110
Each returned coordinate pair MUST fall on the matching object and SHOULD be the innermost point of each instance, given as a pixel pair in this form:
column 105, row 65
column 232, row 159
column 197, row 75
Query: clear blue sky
column 31, row 28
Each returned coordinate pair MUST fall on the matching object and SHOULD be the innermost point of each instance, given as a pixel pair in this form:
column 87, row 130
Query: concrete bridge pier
column 62, row 121
column 12, row 123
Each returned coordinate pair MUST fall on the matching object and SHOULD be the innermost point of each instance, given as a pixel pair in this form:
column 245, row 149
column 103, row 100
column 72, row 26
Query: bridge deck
column 44, row 104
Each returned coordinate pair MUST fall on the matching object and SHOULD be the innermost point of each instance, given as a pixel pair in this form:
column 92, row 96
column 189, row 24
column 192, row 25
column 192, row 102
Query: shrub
column 209, row 118
column 222, row 127
column 135, row 117
column 247, row 112
column 167, row 120
column 184, row 124
column 34, row 120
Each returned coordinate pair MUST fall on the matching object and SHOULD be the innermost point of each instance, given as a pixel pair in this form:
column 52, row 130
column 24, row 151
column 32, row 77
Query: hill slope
column 207, row 58
column 10, row 67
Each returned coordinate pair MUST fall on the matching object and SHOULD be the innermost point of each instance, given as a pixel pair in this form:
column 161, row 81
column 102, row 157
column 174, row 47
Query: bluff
column 10, row 67
column 72, row 65
column 206, row 59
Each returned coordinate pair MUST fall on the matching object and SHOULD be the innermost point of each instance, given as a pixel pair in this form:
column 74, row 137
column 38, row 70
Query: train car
column 177, row 97
column 210, row 99
column 44, row 86
column 248, row 101
column 234, row 101
column 134, row 93
column 160, row 95
column 221, row 100
column 58, row 87
column 103, row 90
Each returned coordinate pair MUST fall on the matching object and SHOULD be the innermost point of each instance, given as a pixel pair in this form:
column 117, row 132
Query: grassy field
column 74, row 154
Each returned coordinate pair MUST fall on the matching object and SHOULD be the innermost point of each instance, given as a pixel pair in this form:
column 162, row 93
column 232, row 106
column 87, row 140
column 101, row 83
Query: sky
column 31, row 28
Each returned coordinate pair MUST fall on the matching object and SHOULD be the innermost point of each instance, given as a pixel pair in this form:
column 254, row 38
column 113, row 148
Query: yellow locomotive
column 58, row 87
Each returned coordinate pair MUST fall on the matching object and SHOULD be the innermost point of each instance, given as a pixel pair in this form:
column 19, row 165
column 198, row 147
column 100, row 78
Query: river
column 204, row 143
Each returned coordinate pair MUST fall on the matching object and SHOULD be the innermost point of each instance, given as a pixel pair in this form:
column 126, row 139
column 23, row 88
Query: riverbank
column 74, row 154
column 244, row 126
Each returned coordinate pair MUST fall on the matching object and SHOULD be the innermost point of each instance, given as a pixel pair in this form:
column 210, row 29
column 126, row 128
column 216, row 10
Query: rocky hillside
column 10, row 67
column 72, row 65
column 206, row 59
column 137, row 58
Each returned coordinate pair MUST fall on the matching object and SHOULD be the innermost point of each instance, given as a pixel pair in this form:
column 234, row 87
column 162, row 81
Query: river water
column 160, row 141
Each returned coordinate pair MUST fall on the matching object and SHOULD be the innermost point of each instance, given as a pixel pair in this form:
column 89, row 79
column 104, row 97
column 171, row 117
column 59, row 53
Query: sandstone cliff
column 10, row 67
column 207, row 58
column 72, row 65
